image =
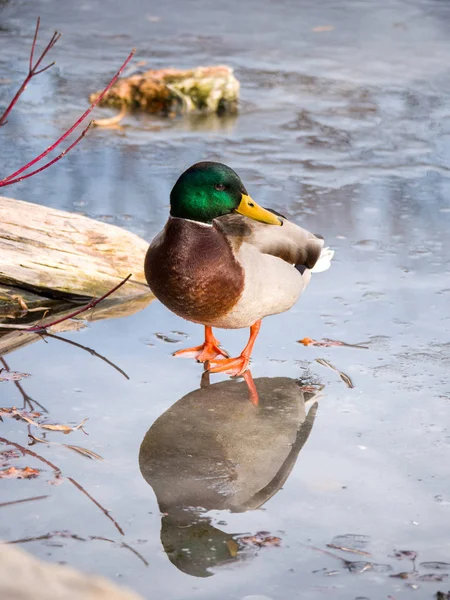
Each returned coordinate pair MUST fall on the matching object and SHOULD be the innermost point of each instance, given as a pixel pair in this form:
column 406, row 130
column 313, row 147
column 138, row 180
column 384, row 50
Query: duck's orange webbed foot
column 236, row 366
column 207, row 351
column 231, row 366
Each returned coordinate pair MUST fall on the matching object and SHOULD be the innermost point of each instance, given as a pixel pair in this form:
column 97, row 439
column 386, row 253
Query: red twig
column 33, row 69
column 50, row 163
column 92, row 304
column 14, row 177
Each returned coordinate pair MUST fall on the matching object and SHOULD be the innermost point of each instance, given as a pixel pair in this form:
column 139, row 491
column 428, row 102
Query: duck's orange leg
column 207, row 351
column 237, row 366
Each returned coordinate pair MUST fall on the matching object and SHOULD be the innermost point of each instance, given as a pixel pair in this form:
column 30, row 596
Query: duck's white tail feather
column 324, row 261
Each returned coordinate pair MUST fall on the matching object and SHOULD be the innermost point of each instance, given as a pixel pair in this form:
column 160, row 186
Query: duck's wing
column 291, row 243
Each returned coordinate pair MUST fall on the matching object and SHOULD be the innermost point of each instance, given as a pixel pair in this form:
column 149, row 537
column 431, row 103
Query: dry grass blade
column 79, row 449
column 345, row 378
column 84, row 452
column 353, row 550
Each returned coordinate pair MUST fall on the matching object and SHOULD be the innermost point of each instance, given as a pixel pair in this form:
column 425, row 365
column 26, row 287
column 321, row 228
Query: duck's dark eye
column 219, row 187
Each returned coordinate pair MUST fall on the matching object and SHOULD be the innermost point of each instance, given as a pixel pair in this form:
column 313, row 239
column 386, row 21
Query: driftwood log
column 211, row 89
column 51, row 259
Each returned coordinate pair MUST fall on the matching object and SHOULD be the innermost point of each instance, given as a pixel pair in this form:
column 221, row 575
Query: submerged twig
column 91, row 351
column 33, row 69
column 26, row 398
column 73, row 536
column 17, row 175
column 11, row 502
column 58, row 475
column 104, row 511
column 24, row 451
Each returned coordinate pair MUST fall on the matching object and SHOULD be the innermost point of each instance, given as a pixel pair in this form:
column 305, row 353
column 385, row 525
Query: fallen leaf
column 19, row 473
column 30, row 419
column 260, row 540
column 405, row 575
column 64, row 428
column 7, row 455
column 405, row 554
column 12, row 375
column 327, row 343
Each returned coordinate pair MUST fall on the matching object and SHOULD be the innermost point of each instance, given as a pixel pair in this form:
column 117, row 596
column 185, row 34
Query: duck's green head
column 208, row 190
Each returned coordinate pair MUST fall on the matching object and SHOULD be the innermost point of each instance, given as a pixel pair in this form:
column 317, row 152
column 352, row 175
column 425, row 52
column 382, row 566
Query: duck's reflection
column 215, row 450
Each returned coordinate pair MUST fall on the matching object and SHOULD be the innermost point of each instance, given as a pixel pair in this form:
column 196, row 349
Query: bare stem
column 14, row 177
column 32, row 70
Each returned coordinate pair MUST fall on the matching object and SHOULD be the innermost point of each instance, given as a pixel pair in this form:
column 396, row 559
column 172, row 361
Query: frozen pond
column 344, row 127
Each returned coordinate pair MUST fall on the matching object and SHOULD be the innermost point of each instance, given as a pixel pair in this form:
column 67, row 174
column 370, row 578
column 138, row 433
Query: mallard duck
column 224, row 261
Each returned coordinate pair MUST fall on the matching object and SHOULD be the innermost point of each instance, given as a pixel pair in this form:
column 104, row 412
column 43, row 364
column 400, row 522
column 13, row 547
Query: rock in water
column 211, row 89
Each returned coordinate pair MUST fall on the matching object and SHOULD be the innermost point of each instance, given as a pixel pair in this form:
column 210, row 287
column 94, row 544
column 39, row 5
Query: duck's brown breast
column 191, row 269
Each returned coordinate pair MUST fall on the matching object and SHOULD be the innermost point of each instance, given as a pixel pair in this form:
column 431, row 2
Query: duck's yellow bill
column 249, row 208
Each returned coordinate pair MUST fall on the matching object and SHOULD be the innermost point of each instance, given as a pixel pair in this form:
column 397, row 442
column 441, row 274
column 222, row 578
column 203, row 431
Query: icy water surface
column 344, row 126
